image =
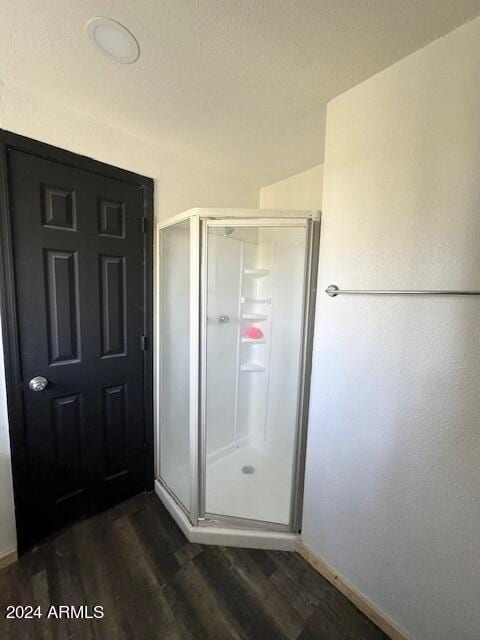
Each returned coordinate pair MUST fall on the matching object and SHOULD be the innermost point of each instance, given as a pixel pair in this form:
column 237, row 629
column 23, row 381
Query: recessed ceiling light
column 113, row 40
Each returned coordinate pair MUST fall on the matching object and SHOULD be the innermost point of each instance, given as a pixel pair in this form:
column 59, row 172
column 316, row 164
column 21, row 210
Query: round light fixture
column 113, row 40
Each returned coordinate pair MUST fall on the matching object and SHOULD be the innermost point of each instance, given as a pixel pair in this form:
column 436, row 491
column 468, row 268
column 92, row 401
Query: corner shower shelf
column 254, row 340
column 256, row 273
column 255, row 317
column 252, row 367
column 256, row 300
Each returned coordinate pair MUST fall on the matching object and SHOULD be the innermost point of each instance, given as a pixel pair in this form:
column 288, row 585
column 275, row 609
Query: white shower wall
column 253, row 386
column 225, row 257
column 285, row 340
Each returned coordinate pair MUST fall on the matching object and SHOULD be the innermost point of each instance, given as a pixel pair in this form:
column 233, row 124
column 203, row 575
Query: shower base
column 226, row 536
column 262, row 495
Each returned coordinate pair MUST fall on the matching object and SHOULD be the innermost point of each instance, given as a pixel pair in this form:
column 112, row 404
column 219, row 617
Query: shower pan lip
column 226, row 535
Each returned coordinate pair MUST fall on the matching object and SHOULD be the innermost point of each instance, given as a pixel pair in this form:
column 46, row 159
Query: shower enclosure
column 234, row 304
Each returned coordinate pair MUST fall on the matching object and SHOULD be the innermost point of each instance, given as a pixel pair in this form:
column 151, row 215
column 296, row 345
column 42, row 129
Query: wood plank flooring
column 155, row 585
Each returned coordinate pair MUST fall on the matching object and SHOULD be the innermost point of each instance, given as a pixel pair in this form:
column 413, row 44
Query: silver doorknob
column 38, row 383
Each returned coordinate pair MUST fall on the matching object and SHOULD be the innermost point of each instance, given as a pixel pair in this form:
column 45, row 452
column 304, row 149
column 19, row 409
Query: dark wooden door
column 78, row 249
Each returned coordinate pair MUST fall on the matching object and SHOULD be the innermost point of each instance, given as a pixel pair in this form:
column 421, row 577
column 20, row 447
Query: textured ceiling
column 239, row 85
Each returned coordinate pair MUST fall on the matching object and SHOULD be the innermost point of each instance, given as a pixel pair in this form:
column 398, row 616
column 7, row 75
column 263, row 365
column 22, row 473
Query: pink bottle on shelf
column 254, row 333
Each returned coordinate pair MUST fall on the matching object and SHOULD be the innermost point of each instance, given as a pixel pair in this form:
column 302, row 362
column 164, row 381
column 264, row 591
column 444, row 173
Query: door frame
column 8, row 309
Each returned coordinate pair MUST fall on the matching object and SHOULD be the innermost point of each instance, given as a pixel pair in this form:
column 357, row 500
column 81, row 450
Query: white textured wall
column 301, row 191
column 179, row 185
column 392, row 499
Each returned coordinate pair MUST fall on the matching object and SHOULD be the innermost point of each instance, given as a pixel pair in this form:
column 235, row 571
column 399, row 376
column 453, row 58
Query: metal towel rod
column 333, row 291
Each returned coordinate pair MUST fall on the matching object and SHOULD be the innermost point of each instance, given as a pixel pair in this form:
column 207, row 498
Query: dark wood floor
column 154, row 584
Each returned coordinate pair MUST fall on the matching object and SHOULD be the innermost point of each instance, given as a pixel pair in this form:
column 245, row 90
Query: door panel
column 67, row 414
column 113, row 305
column 79, row 272
column 115, row 427
column 62, row 302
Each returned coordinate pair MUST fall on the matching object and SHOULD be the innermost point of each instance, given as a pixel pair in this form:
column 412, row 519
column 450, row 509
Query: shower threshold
column 223, row 536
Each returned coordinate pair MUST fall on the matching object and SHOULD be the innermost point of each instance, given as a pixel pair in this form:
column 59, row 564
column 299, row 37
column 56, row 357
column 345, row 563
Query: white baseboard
column 362, row 603
column 8, row 557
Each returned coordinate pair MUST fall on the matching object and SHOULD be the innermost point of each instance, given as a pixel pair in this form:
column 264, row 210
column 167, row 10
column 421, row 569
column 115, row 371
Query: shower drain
column 248, row 469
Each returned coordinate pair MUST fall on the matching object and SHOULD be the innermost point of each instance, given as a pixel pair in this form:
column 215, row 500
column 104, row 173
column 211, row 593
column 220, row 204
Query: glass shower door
column 253, row 310
column 174, row 361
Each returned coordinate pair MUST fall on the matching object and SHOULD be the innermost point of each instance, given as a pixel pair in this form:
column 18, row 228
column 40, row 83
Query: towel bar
column 333, row 291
